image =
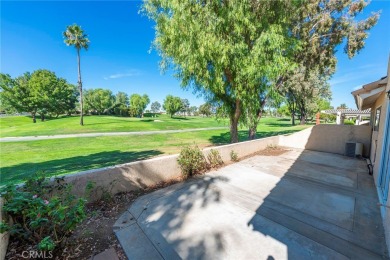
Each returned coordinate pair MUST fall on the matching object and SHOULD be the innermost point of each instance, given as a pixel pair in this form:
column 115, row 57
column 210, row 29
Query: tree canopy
column 239, row 53
column 172, row 105
column 121, row 104
column 205, row 109
column 40, row 92
column 155, row 107
column 138, row 104
column 99, row 101
column 222, row 48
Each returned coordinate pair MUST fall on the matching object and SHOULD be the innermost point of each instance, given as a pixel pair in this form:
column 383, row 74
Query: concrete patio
column 298, row 205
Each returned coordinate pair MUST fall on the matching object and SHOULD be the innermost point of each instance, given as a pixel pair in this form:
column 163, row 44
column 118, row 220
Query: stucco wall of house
column 385, row 208
column 377, row 136
column 329, row 138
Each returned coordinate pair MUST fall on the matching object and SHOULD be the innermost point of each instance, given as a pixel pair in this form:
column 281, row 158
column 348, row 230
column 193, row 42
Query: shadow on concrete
column 323, row 206
column 19, row 172
column 169, row 211
column 300, row 205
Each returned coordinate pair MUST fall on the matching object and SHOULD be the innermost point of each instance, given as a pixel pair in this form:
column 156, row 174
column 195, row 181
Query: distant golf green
column 60, row 156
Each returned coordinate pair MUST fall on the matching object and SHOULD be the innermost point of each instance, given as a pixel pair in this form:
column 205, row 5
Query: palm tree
column 76, row 37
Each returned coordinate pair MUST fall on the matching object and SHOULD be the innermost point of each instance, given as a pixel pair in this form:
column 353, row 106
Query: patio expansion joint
column 298, row 227
column 314, row 221
column 354, row 214
column 151, row 241
column 335, row 188
column 305, row 213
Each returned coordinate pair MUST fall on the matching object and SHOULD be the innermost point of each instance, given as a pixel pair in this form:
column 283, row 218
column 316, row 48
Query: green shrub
column 214, row 159
column 272, row 146
column 328, row 117
column 191, row 161
column 233, row 156
column 43, row 213
column 348, row 122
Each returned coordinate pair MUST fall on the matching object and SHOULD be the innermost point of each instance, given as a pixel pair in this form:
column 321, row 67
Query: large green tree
column 121, row 104
column 205, row 109
column 321, row 26
column 185, row 106
column 303, row 92
column 5, row 106
column 223, row 49
column 19, row 95
column 41, row 92
column 172, row 105
column 99, row 100
column 239, row 52
column 75, row 36
column 138, row 104
column 155, row 107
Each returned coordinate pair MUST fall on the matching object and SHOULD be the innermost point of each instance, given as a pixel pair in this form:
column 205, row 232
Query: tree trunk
column 33, row 117
column 253, row 125
column 80, row 89
column 42, row 117
column 252, row 132
column 255, row 121
column 293, row 118
column 234, row 122
column 303, row 121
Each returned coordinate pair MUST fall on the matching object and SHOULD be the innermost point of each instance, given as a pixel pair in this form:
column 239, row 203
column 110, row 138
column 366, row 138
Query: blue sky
column 119, row 56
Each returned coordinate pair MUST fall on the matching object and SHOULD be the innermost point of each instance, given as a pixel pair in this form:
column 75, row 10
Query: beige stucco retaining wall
column 136, row 175
column 329, row 138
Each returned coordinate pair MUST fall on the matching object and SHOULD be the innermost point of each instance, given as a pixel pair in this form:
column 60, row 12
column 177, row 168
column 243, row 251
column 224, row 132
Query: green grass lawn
column 59, row 156
column 23, row 125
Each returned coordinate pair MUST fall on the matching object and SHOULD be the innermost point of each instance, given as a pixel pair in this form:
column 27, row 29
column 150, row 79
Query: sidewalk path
column 47, row 137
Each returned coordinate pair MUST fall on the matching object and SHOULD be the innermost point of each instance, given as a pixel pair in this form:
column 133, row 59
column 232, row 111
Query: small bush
column 233, row 156
column 272, row 146
column 191, row 161
column 42, row 213
column 214, row 159
column 348, row 122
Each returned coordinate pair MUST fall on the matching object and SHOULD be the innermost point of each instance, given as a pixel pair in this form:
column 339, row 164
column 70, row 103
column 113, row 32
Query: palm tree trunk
column 80, row 89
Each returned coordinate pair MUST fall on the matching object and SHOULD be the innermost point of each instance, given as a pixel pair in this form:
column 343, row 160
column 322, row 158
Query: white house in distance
column 376, row 96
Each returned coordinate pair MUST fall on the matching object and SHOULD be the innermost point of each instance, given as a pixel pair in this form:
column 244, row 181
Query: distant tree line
column 42, row 94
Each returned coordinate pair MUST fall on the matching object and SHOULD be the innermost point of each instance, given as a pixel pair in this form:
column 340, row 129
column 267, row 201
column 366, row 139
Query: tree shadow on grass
column 18, row 173
column 224, row 138
column 179, row 118
column 110, row 121
column 279, row 124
